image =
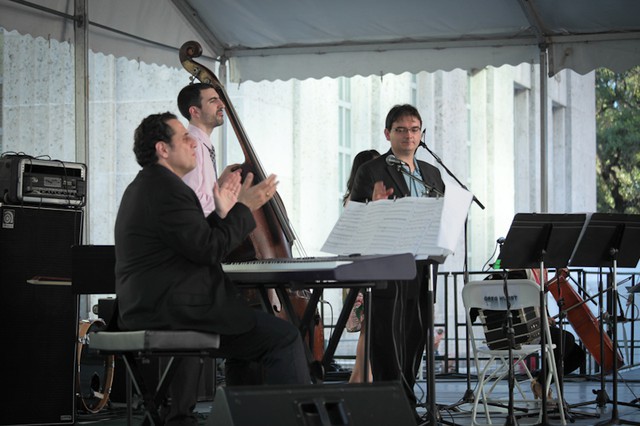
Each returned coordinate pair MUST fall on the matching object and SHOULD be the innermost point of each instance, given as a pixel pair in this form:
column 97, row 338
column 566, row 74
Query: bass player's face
column 211, row 114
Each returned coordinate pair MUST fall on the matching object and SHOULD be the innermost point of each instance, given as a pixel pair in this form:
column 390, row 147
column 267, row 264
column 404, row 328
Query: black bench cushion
column 153, row 341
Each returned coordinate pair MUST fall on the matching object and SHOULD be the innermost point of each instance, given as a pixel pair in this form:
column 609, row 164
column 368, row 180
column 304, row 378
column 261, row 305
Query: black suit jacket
column 378, row 170
column 168, row 258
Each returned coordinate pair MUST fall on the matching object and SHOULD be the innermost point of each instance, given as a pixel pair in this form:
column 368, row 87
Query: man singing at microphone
column 399, row 311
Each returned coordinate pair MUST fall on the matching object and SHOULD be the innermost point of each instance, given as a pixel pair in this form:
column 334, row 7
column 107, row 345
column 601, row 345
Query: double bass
column 273, row 236
column 584, row 322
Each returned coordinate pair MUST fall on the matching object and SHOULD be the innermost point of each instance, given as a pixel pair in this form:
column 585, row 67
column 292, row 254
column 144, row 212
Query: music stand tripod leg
column 432, row 408
column 602, row 397
column 367, row 334
column 469, row 395
column 543, row 347
column 633, row 403
column 568, row 413
column 561, row 349
column 610, row 239
column 433, row 414
column 511, row 417
column 615, row 417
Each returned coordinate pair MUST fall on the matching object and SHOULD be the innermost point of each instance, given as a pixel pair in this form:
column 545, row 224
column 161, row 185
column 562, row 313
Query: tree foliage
column 618, row 140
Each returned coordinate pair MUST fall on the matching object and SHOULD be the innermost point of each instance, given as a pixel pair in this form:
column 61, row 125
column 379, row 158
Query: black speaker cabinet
column 38, row 315
column 346, row 404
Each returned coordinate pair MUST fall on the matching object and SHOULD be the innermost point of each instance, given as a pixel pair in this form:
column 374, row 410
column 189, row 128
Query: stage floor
column 576, row 391
column 450, row 390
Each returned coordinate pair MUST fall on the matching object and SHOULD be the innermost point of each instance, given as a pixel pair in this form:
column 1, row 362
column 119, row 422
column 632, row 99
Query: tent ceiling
column 281, row 39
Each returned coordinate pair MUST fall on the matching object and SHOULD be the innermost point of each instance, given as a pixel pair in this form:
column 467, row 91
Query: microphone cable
column 495, row 249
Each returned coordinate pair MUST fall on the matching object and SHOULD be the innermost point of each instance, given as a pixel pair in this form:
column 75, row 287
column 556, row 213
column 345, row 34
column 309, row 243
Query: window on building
column 470, row 221
column 559, row 156
column 344, row 135
column 524, row 161
column 414, row 90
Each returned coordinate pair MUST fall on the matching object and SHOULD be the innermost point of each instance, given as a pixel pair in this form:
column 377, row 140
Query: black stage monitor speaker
column 314, row 405
column 38, row 313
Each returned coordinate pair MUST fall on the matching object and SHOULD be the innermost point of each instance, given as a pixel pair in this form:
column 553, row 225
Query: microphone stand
column 428, row 187
column 468, row 395
column 424, row 145
column 433, row 415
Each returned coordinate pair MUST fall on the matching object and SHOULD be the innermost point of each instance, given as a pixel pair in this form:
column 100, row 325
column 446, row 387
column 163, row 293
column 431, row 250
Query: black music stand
column 538, row 241
column 433, row 414
column 610, row 240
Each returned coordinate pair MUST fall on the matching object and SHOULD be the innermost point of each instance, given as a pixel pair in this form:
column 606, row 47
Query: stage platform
column 449, row 391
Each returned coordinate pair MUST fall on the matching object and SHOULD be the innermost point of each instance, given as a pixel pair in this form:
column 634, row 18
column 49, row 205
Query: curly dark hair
column 190, row 96
column 152, row 129
column 399, row 111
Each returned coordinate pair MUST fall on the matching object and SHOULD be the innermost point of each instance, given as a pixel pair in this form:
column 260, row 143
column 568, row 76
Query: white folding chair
column 492, row 357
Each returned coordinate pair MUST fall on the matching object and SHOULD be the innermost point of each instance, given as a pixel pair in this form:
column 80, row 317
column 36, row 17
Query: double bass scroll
column 273, row 236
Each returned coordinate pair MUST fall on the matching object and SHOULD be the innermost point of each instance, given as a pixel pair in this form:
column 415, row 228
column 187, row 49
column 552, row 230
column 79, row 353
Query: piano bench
column 136, row 347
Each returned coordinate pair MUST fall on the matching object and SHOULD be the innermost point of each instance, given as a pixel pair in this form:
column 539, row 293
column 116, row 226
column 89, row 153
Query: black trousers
column 573, row 355
column 398, row 333
column 274, row 343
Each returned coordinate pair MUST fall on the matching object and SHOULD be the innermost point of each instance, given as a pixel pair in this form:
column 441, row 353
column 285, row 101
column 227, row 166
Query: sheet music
column 456, row 208
column 421, row 226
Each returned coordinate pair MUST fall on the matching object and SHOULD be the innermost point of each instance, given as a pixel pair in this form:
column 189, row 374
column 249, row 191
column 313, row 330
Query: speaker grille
column 381, row 403
column 39, row 322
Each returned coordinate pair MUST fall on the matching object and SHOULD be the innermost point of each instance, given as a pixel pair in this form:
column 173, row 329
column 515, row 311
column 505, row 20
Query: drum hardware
column 94, row 375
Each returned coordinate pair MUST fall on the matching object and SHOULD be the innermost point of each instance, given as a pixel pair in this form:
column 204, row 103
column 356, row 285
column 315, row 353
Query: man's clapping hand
column 255, row 196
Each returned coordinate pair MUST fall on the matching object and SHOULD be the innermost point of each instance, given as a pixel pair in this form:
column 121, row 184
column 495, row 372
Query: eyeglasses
column 403, row 130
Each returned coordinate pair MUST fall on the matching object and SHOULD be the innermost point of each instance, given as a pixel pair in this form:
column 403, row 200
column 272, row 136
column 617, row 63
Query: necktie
column 212, row 154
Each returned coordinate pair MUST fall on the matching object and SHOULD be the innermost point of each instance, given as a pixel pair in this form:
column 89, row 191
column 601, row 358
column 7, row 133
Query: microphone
column 500, row 240
column 392, row 160
column 421, row 143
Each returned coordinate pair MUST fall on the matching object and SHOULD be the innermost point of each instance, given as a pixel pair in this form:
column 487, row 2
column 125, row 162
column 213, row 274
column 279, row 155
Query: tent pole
column 544, row 184
column 81, row 60
column 81, row 101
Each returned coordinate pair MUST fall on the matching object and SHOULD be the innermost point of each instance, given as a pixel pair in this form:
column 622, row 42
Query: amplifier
column 27, row 180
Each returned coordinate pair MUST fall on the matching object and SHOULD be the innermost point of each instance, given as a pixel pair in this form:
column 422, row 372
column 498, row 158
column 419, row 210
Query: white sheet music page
column 421, row 226
column 352, row 232
column 456, row 208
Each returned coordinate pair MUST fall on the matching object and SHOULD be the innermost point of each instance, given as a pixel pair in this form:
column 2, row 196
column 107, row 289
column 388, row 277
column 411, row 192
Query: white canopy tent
column 282, row 39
